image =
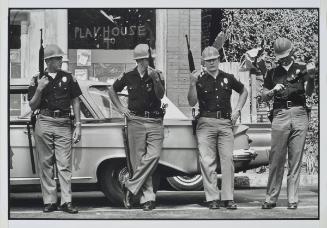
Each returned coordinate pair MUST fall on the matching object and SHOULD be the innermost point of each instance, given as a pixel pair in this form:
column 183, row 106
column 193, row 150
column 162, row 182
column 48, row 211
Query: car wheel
column 186, row 183
column 112, row 178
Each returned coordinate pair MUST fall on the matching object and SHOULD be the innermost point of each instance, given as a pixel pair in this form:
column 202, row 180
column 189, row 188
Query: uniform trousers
column 145, row 136
column 53, row 142
column 289, row 129
column 215, row 136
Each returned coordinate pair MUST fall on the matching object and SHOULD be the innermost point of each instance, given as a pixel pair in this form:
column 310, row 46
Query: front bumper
column 244, row 155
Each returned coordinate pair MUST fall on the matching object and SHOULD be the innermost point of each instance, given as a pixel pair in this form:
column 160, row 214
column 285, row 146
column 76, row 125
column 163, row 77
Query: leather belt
column 216, row 114
column 285, row 105
column 55, row 113
column 148, row 114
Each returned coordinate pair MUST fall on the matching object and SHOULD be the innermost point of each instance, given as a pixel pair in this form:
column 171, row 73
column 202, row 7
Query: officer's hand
column 235, row 116
column 153, row 73
column 194, row 76
column 42, row 83
column 125, row 111
column 278, row 87
column 77, row 134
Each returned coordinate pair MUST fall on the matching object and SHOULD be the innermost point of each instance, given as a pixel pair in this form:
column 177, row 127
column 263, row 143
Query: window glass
column 100, row 95
column 15, row 103
column 14, row 36
column 110, row 28
column 85, row 113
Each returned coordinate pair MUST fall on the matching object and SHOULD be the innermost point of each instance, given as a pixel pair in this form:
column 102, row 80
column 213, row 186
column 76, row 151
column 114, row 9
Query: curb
column 250, row 180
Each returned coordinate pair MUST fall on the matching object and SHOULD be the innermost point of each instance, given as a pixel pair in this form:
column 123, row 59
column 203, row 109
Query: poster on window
column 83, row 57
column 81, row 74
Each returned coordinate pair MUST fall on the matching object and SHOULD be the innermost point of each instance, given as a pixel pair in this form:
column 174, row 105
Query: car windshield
column 100, row 95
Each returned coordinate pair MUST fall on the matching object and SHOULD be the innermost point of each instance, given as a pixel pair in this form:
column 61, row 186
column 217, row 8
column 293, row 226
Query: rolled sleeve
column 120, row 83
column 75, row 89
column 267, row 83
column 236, row 85
column 32, row 88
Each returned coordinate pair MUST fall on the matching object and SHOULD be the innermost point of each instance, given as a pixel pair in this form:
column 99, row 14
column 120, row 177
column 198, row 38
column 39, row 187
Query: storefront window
column 14, row 36
column 110, row 28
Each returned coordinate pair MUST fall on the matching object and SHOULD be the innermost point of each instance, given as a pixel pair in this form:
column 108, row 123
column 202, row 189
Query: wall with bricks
column 181, row 22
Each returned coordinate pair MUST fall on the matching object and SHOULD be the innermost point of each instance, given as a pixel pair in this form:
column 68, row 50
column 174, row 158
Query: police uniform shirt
column 57, row 95
column 214, row 94
column 141, row 94
column 293, row 80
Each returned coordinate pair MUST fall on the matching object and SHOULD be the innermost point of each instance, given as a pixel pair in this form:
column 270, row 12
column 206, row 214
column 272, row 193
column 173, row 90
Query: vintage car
column 99, row 158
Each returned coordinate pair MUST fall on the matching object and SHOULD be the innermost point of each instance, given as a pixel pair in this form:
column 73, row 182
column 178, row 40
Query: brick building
column 99, row 44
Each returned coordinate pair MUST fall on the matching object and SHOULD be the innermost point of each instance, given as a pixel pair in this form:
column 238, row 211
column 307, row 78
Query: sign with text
column 110, row 28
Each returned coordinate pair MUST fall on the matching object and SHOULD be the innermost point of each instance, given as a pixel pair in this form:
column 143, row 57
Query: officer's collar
column 58, row 73
column 218, row 74
column 138, row 73
column 287, row 68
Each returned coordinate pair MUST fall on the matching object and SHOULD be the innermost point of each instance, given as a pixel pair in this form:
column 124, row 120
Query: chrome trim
column 37, row 178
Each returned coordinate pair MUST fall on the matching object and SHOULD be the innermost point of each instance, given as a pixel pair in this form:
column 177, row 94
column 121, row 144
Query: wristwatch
column 77, row 124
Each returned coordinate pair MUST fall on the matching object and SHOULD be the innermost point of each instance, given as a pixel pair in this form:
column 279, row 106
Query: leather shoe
column 68, row 207
column 50, row 207
column 230, row 204
column 214, row 204
column 267, row 205
column 127, row 197
column 292, row 206
column 148, row 206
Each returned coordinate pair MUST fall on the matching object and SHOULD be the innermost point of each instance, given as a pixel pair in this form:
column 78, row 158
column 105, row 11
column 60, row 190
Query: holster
column 163, row 109
column 34, row 117
column 194, row 123
column 72, row 118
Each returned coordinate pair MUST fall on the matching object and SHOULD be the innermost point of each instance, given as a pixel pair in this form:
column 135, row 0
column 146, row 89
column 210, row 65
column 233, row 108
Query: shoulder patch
column 299, row 67
column 120, row 76
column 160, row 75
column 129, row 70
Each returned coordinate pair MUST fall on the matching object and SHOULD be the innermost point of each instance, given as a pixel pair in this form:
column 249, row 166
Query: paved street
column 171, row 205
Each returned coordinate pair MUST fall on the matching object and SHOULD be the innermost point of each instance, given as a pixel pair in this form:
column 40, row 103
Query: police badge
column 148, row 87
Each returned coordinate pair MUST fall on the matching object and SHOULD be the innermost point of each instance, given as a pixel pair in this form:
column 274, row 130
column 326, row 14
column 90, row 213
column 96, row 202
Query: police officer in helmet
column 145, row 87
column 287, row 85
column 53, row 94
column 214, row 129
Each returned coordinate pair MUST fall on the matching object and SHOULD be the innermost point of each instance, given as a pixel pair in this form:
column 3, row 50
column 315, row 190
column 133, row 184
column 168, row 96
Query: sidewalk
column 245, row 180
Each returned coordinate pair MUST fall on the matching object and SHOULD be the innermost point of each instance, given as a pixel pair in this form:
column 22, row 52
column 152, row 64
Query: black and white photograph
column 136, row 114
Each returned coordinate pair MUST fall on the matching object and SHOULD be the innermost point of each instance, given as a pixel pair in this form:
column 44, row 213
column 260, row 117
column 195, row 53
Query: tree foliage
column 246, row 28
